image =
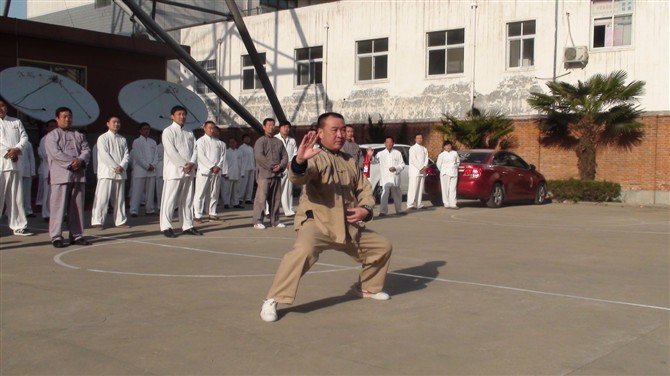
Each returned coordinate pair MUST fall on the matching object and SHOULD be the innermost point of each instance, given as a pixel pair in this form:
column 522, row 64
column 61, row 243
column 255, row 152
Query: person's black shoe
column 58, row 243
column 46, row 219
column 238, row 207
column 80, row 241
column 401, row 213
column 226, row 206
column 192, row 231
column 134, row 215
column 169, row 233
column 31, row 215
column 249, row 202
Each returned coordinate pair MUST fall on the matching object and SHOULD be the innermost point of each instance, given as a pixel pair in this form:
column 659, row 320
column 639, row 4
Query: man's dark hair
column 266, row 120
column 144, row 124
column 178, row 108
column 321, row 120
column 112, row 116
column 349, row 126
column 391, row 137
column 62, row 109
column 447, row 142
column 246, row 136
column 232, row 138
column 209, row 122
column 418, row 134
column 284, row 122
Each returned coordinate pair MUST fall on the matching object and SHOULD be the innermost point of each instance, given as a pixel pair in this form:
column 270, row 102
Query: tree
column 485, row 130
column 376, row 132
column 594, row 113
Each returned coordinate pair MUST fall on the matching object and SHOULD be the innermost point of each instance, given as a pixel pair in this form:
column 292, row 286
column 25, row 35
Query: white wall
column 407, row 94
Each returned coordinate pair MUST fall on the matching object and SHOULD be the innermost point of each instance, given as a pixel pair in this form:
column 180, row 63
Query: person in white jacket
column 44, row 189
column 418, row 162
column 390, row 165
column 179, row 166
column 291, row 150
column 27, row 173
column 143, row 156
column 247, row 180
column 447, row 163
column 113, row 159
column 211, row 156
column 13, row 140
column 229, row 189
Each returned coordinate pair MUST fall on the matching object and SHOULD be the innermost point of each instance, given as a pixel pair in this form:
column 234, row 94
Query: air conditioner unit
column 576, row 54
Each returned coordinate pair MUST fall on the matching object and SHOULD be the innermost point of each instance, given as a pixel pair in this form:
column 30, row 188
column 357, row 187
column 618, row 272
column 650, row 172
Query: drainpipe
column 473, row 6
column 325, row 72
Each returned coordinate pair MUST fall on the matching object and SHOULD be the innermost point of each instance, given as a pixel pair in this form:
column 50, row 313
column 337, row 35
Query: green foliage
column 584, row 190
column 485, row 130
column 376, row 132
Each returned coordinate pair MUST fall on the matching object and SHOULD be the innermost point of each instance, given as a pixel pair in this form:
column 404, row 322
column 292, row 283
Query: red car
column 492, row 176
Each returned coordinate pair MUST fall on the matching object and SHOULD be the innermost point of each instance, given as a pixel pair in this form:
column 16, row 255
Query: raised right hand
column 306, row 149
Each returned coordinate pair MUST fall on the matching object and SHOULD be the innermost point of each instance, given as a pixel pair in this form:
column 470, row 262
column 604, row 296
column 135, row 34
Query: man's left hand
column 355, row 215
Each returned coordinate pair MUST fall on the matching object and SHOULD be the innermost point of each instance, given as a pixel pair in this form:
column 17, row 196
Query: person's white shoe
column 259, row 226
column 367, row 294
column 269, row 310
column 23, row 232
column 280, row 225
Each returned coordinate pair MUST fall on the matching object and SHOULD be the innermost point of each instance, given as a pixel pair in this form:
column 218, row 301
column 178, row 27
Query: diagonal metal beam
column 192, row 65
column 258, row 65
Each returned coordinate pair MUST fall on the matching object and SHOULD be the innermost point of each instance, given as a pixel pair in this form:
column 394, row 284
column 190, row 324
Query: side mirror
column 532, row 167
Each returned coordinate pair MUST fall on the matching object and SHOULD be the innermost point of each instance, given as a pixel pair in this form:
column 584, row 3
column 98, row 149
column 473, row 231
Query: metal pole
column 194, row 67
column 5, row 13
column 253, row 54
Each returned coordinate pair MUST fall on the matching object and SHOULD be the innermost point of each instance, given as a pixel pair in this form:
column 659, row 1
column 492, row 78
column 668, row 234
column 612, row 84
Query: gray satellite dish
column 38, row 93
column 151, row 101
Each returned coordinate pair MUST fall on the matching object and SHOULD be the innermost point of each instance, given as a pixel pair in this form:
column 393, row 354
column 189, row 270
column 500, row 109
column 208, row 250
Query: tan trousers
column 373, row 251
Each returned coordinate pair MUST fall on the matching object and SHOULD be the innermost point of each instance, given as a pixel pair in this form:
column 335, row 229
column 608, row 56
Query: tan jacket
column 333, row 183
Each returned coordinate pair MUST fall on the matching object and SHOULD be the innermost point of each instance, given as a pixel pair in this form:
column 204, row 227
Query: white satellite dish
column 151, row 101
column 39, row 92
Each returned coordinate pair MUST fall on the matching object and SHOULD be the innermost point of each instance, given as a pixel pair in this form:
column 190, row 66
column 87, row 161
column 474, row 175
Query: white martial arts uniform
column 179, row 149
column 447, row 163
column 286, row 185
column 390, row 181
column 43, row 173
column 143, row 185
column 112, row 153
column 246, row 183
column 12, row 135
column 418, row 159
column 229, row 191
column 27, row 173
column 211, row 153
column 159, row 175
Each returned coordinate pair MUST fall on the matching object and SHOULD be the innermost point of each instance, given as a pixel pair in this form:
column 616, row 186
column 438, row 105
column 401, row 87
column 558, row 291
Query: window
column 309, row 65
column 73, row 72
column 279, row 4
column 372, row 59
column 250, row 79
column 521, row 44
column 446, row 52
column 210, row 67
column 612, row 22
column 102, row 3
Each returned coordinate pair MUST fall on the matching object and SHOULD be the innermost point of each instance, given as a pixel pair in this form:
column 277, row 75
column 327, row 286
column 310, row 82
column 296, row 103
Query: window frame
column 257, row 81
column 607, row 18
column 199, row 86
column 445, row 47
column 373, row 56
column 312, row 64
column 522, row 37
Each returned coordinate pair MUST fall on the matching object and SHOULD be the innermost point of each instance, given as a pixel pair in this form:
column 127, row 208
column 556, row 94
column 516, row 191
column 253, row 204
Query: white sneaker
column 23, row 232
column 367, row 294
column 280, row 225
column 259, row 226
column 269, row 310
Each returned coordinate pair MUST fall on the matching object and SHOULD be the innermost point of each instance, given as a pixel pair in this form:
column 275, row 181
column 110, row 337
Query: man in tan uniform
column 335, row 202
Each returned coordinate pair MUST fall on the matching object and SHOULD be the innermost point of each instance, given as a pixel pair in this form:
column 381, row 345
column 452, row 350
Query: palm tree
column 594, row 113
column 478, row 130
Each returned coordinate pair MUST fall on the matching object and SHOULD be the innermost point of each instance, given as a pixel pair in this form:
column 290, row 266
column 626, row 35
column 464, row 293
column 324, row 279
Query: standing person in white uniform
column 246, row 183
column 233, row 169
column 144, row 172
column 179, row 166
column 390, row 165
column 27, row 173
column 113, row 159
column 159, row 175
column 447, row 163
column 418, row 162
column 13, row 140
column 43, row 172
column 286, row 185
column 211, row 155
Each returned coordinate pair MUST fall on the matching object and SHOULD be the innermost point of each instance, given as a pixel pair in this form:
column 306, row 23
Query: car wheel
column 377, row 193
column 540, row 194
column 436, row 200
column 497, row 196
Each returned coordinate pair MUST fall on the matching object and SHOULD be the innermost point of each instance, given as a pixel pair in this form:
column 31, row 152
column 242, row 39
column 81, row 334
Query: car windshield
column 473, row 157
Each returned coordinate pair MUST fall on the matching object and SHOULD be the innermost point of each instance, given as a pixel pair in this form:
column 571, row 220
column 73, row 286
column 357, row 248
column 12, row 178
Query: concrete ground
column 577, row 289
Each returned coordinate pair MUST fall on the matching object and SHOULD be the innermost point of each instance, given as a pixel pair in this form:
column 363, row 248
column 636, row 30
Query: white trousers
column 106, row 191
column 46, row 192
column 415, row 191
column 27, row 201
column 206, row 196
column 142, row 188
column 246, row 186
column 177, row 193
column 287, row 195
column 448, row 185
column 159, row 191
column 11, row 198
column 229, row 192
column 394, row 191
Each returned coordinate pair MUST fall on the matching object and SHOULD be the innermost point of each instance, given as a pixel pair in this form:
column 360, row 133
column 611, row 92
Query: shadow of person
column 412, row 279
column 318, row 304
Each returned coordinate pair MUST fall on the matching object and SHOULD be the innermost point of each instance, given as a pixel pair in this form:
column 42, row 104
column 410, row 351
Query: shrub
column 584, row 190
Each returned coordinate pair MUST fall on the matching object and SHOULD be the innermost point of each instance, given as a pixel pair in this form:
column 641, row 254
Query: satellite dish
column 39, row 92
column 151, row 101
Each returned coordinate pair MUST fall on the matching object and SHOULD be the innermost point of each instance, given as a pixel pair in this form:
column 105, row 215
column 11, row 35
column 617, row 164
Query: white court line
column 534, row 291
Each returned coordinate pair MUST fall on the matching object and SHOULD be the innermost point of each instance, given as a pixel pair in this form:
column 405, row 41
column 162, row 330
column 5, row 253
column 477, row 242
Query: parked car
column 493, row 177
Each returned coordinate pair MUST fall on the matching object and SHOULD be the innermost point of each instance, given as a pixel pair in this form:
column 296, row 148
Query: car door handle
column 504, row 172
